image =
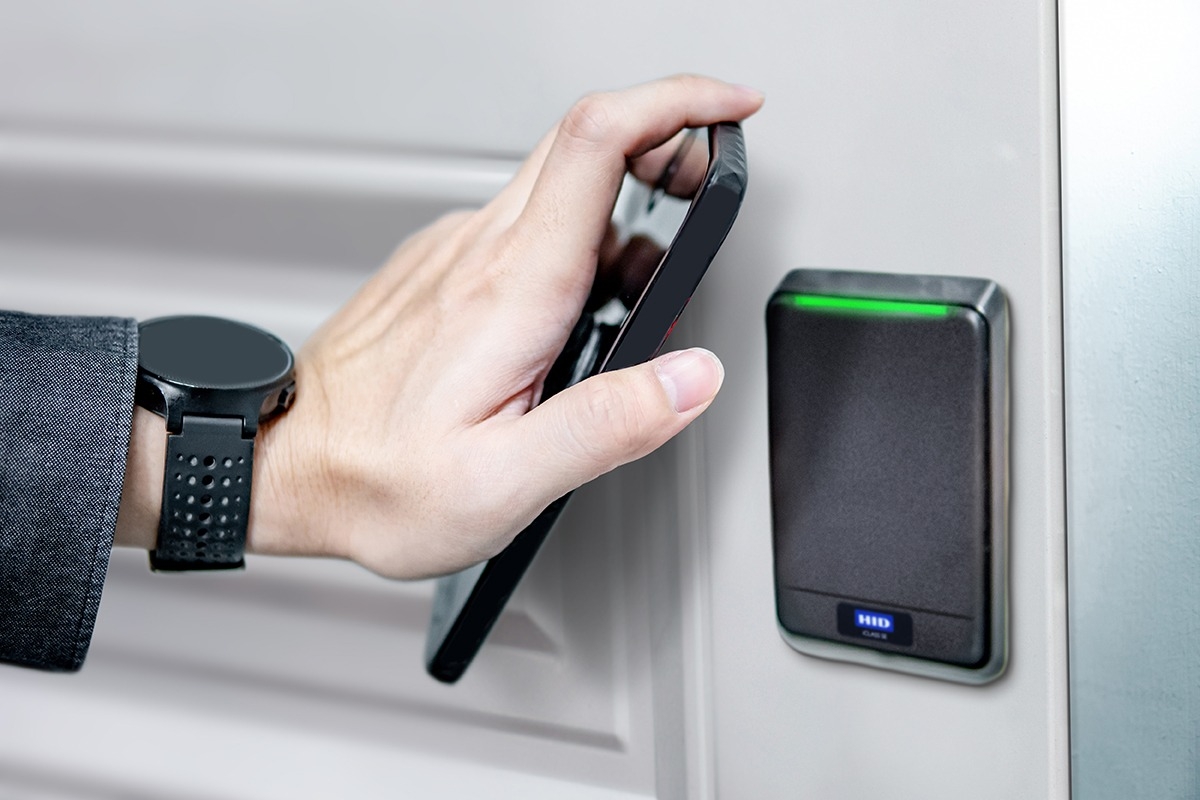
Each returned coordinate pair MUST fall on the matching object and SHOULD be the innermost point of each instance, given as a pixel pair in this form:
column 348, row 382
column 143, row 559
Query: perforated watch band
column 206, row 496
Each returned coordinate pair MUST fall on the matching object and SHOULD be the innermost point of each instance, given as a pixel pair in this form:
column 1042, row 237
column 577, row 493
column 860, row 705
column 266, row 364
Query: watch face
column 212, row 353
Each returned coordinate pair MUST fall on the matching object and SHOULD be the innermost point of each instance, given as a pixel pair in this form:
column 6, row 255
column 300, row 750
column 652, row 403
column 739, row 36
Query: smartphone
column 664, row 234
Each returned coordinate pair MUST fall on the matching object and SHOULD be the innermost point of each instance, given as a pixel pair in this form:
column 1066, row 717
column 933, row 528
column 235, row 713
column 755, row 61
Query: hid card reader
column 889, row 470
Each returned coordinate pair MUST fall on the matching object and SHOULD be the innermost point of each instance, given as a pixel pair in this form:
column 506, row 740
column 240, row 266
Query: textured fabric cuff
column 66, row 404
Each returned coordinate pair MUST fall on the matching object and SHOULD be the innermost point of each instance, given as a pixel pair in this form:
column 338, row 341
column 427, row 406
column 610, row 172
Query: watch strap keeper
column 206, row 496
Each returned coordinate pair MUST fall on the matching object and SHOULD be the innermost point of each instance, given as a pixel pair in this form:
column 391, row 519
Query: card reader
column 889, row 470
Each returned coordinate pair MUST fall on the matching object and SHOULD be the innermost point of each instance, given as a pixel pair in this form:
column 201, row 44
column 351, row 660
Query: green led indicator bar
column 864, row 306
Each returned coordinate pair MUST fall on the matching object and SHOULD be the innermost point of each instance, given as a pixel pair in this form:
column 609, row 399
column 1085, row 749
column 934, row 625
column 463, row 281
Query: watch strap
column 206, row 496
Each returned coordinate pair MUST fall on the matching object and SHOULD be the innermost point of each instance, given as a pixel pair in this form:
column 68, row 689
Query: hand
column 416, row 445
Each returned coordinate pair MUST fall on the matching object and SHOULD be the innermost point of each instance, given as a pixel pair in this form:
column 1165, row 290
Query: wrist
column 210, row 381
column 285, row 504
column 141, row 491
column 272, row 527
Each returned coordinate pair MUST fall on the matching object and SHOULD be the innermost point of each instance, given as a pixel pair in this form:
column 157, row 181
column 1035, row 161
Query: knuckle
column 687, row 80
column 431, row 238
column 613, row 422
column 590, row 121
column 483, row 271
column 455, row 218
column 451, row 229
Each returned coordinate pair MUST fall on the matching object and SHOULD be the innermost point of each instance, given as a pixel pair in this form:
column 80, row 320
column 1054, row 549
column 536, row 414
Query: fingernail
column 749, row 91
column 689, row 377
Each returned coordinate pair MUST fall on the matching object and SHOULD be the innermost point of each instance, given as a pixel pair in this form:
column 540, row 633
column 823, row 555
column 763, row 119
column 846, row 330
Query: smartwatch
column 213, row 380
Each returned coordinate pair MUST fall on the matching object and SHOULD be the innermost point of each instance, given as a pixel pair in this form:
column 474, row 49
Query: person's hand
column 416, row 445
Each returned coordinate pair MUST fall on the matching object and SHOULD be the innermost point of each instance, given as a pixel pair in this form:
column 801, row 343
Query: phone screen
column 670, row 217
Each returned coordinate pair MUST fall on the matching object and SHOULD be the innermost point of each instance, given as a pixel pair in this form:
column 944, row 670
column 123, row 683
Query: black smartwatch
column 213, row 380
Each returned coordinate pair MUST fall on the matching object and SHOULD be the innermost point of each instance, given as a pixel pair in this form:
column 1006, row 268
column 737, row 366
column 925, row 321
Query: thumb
column 615, row 417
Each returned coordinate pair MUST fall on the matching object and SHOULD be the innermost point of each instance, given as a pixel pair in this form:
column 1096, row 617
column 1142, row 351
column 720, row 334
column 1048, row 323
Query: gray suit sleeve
column 66, row 403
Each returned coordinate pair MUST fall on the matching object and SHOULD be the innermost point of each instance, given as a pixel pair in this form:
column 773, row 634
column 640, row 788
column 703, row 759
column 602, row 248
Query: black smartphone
column 664, row 235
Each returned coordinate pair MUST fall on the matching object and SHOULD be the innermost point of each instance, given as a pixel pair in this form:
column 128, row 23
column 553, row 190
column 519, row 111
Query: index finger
column 571, row 201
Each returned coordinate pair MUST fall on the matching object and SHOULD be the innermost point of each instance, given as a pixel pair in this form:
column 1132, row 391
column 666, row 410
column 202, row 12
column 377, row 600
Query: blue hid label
column 875, row 628
column 874, row 620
